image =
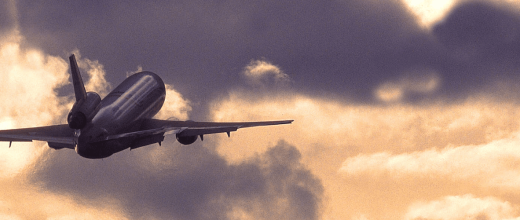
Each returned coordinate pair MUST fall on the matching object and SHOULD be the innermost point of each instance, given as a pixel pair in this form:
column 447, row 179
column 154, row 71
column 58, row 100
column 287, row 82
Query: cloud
column 417, row 81
column 22, row 201
column 96, row 81
column 261, row 72
column 463, row 207
column 388, row 149
column 190, row 183
column 29, row 80
column 329, row 54
column 429, row 12
column 366, row 128
column 175, row 106
column 491, row 165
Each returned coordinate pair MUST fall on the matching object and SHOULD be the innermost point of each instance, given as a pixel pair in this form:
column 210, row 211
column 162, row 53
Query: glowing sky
column 403, row 109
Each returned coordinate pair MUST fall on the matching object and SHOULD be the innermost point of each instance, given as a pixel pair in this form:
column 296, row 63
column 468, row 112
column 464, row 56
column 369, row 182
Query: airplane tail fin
column 77, row 81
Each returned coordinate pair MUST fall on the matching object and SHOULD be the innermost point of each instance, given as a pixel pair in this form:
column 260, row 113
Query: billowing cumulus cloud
column 463, row 207
column 175, row 106
column 191, row 182
column 28, row 81
column 261, row 72
column 95, row 75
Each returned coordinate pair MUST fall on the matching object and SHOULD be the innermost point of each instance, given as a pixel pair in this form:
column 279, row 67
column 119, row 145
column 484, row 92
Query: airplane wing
column 193, row 128
column 152, row 131
column 151, row 127
column 61, row 134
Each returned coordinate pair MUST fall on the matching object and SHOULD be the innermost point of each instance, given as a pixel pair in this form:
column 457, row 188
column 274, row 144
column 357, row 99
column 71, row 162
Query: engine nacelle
column 186, row 140
column 83, row 111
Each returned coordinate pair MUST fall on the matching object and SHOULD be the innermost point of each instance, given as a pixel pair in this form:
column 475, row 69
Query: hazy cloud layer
column 491, row 165
column 463, row 207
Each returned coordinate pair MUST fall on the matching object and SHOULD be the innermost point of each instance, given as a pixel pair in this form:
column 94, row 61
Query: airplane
column 97, row 128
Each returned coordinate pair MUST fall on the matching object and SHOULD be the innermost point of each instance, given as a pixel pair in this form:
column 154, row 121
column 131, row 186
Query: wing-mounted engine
column 186, row 140
column 83, row 111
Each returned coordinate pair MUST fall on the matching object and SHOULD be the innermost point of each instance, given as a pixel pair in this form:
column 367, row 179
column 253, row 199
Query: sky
column 403, row 109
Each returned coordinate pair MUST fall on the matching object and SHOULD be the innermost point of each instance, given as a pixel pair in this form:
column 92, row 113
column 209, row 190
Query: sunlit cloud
column 261, row 72
column 463, row 207
column 369, row 141
column 175, row 106
column 491, row 165
column 418, row 81
column 29, row 80
column 22, row 201
column 368, row 128
column 429, row 12
column 95, row 75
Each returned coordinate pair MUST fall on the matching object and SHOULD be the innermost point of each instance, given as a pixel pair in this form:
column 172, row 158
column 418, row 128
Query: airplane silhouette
column 98, row 128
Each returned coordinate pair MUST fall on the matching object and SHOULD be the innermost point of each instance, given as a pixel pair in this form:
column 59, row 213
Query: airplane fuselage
column 138, row 97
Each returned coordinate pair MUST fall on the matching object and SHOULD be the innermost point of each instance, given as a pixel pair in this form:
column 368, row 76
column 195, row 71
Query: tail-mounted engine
column 83, row 111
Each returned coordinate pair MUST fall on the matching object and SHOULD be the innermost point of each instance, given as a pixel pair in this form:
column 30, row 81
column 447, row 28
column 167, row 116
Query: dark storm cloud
column 340, row 47
column 483, row 44
column 198, row 184
column 7, row 18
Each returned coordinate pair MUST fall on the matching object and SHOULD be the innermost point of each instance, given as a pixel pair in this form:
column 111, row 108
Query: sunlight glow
column 429, row 12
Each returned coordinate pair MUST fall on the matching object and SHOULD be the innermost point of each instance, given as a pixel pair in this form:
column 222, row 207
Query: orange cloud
column 451, row 139
column 491, row 165
column 463, row 207
column 175, row 106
